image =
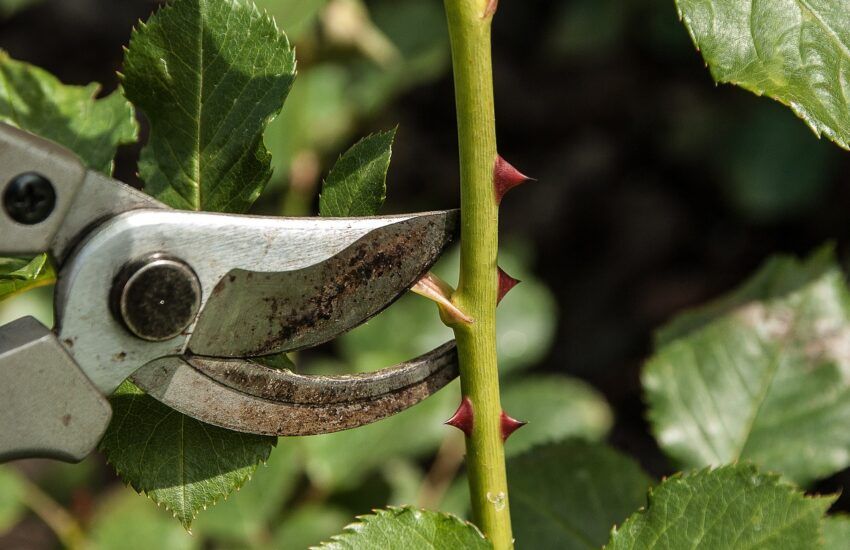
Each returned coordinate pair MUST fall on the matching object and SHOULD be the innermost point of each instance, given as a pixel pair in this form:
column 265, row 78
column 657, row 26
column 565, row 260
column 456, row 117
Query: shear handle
column 48, row 408
column 39, row 181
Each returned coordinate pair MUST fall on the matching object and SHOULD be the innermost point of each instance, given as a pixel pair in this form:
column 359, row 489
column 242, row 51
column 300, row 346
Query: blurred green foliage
column 11, row 499
column 311, row 487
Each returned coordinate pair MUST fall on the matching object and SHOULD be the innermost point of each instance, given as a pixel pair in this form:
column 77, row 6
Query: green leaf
column 246, row 514
column 34, row 100
column 11, row 498
column 768, row 381
column 209, row 75
column 794, row 51
column 180, row 463
column 18, row 275
column 568, row 495
column 357, row 184
column 555, row 407
column 409, row 529
column 731, row 507
column 126, row 520
column 836, row 532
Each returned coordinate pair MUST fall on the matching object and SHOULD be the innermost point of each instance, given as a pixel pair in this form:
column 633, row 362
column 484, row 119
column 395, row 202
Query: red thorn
column 506, row 283
column 492, row 5
column 506, row 177
column 462, row 418
column 509, row 425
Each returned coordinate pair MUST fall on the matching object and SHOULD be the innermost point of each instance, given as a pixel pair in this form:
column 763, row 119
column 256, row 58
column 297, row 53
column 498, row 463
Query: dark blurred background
column 657, row 190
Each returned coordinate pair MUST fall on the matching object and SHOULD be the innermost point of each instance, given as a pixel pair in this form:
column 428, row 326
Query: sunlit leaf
column 731, row 507
column 36, row 101
column 17, row 275
column 209, row 75
column 762, row 375
column 409, row 529
column 180, row 463
column 793, row 51
column 356, row 185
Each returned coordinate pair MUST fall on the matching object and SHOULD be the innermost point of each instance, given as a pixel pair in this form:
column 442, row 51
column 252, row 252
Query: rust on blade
column 251, row 314
column 176, row 383
column 287, row 386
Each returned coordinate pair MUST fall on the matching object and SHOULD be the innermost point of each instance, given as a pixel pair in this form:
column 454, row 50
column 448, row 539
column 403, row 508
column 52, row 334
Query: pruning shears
column 182, row 303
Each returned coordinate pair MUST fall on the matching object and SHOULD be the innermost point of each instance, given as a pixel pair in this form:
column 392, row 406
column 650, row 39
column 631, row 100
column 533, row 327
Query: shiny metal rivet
column 29, row 198
column 156, row 298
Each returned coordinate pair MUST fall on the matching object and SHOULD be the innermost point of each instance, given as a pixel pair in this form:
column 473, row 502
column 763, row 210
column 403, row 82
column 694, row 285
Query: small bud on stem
column 439, row 291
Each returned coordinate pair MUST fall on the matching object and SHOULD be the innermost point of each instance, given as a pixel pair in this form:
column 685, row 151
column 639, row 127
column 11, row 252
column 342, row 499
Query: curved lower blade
column 251, row 313
column 272, row 402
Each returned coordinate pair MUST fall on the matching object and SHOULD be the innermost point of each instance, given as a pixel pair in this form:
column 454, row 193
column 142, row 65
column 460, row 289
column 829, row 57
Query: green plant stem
column 60, row 521
column 469, row 31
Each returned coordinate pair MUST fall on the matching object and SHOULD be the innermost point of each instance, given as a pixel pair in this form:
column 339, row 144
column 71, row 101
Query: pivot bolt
column 156, row 298
column 29, row 198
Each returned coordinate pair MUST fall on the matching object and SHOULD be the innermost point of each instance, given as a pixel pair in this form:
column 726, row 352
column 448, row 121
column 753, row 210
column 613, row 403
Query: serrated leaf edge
column 819, row 129
column 768, row 475
column 194, row 515
column 393, row 134
column 362, row 520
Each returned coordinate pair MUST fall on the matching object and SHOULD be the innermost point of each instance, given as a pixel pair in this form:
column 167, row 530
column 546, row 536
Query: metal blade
column 256, row 399
column 218, row 246
column 98, row 199
column 251, row 313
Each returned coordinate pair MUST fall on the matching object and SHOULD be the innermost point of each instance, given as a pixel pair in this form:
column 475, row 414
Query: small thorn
column 492, row 5
column 462, row 418
column 509, row 425
column 439, row 291
column 506, row 177
column 506, row 283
